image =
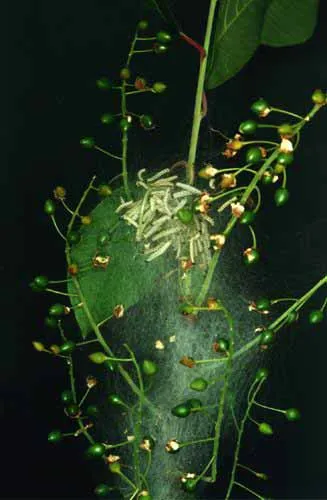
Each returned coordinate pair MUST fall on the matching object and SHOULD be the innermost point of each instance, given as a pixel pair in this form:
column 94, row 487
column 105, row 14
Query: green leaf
column 289, row 22
column 237, row 36
column 126, row 279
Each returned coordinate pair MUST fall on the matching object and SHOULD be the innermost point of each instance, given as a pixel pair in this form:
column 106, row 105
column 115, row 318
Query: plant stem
column 240, row 434
column 197, row 116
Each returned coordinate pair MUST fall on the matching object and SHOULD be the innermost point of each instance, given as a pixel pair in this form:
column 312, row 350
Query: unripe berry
column 281, row 196
column 193, row 403
column 104, row 190
column 159, row 87
column 98, row 357
column 185, row 215
column 124, row 124
column 57, row 310
column 149, row 367
column 292, row 414
column 259, row 107
column 103, row 83
column 107, row 118
column 125, row 74
column 143, row 25
column 66, row 396
column 199, row 384
column 267, row 337
column 262, row 373
column 41, row 282
column 266, row 429
column 163, row 37
column 102, row 490
column 262, row 304
column 96, row 450
column 253, row 155
column 318, row 97
column 49, row 207
column 247, row 217
column 67, row 347
column 73, row 237
column 285, row 158
column 248, row 127
column 146, row 121
column 250, row 256
column 87, row 142
column 160, row 48
column 55, row 436
column 181, row 410
column 316, row 316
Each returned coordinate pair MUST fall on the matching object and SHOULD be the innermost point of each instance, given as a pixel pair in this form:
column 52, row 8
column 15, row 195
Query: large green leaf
column 242, row 25
column 237, row 36
column 289, row 22
column 127, row 278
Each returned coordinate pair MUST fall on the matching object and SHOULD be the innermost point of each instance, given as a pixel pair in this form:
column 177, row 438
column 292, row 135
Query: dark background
column 52, row 53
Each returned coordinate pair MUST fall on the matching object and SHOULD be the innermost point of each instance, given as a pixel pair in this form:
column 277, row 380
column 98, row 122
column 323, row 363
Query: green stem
column 249, row 490
column 197, row 115
column 240, row 434
column 233, row 220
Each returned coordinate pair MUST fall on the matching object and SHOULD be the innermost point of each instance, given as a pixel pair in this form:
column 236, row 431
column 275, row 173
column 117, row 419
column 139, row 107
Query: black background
column 52, row 53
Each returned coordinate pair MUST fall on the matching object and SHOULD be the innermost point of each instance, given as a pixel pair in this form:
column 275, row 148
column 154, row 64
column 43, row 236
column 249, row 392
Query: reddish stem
column 203, row 54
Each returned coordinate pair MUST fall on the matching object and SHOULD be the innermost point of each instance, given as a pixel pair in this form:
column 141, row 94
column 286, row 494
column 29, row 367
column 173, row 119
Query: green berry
column 199, row 384
column 221, row 345
column 104, row 190
column 163, row 37
column 92, row 411
column 293, row 316
column 292, row 414
column 286, row 130
column 267, row 177
column 146, row 121
column 248, row 127
column 67, row 396
column 115, row 400
column 49, row 207
column 279, row 168
column 266, row 429
column 95, row 450
column 193, row 403
column 159, row 87
column 182, row 410
column 98, row 357
column 189, row 485
column 102, row 490
column 259, row 106
column 87, row 142
column 107, row 118
column 143, row 25
column 73, row 410
column 185, row 215
column 253, row 155
column 55, row 436
column 103, row 83
column 319, row 97
column 247, row 217
column 34, row 287
column 73, row 237
column 186, row 309
column 51, row 322
column 67, row 347
column 160, row 48
column 262, row 304
column 114, row 467
column 262, row 373
column 267, row 337
column 41, row 282
column 285, row 158
column 251, row 256
column 124, row 124
column 57, row 310
column 316, row 316
column 281, row 196
column 125, row 74
column 149, row 367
